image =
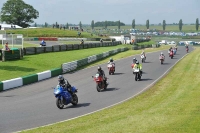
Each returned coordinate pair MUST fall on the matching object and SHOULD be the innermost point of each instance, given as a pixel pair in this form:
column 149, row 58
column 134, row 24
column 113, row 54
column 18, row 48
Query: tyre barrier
column 64, row 47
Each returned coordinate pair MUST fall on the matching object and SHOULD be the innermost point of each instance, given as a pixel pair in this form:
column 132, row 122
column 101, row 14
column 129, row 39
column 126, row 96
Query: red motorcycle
column 100, row 84
column 171, row 54
column 162, row 58
column 187, row 49
column 111, row 68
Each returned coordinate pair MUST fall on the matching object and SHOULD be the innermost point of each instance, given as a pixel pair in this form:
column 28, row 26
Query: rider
column 43, row 42
column 143, row 53
column 162, row 55
column 138, row 65
column 111, row 61
column 134, row 61
column 64, row 83
column 101, row 73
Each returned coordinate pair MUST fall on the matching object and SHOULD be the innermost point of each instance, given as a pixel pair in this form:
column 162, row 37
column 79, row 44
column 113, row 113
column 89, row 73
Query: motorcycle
column 43, row 43
column 161, row 58
column 171, row 54
column 187, row 49
column 111, row 68
column 136, row 71
column 64, row 97
column 142, row 58
column 100, row 84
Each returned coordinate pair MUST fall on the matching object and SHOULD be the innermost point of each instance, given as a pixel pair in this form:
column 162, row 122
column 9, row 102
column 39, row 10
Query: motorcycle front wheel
column 98, row 87
column 59, row 103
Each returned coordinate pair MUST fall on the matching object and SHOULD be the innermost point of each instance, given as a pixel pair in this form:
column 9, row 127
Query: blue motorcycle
column 43, row 43
column 64, row 97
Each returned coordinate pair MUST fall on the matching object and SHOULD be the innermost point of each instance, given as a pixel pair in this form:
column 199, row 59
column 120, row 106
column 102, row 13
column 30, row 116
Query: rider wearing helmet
column 101, row 73
column 138, row 65
column 111, row 61
column 134, row 61
column 143, row 53
column 64, row 83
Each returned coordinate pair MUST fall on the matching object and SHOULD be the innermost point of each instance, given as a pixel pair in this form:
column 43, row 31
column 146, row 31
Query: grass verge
column 172, row 105
column 41, row 62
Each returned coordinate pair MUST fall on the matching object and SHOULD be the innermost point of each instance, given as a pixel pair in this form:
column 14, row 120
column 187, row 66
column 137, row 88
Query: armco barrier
column 7, row 84
column 44, row 75
column 64, row 47
column 99, row 56
column 30, row 79
column 56, row 72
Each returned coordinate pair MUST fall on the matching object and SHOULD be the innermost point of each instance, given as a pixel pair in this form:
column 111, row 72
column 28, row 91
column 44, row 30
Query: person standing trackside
column 6, row 47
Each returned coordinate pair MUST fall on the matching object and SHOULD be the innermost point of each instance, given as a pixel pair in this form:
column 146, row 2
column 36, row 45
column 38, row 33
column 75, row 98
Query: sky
column 74, row 11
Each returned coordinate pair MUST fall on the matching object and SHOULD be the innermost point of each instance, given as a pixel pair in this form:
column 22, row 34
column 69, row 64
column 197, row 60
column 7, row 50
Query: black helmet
column 99, row 68
column 137, row 62
column 60, row 77
column 134, row 58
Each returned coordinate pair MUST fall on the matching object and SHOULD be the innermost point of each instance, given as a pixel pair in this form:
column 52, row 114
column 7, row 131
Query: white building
column 8, row 26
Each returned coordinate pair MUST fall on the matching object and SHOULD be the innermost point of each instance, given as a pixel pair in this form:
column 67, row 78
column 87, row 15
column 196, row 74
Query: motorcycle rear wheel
column 59, row 103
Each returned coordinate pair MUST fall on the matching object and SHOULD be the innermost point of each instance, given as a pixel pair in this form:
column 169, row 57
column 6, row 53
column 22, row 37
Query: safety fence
column 65, row 67
column 64, row 47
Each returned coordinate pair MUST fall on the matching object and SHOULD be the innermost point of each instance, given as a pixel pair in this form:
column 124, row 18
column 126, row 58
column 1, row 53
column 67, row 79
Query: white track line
column 115, row 103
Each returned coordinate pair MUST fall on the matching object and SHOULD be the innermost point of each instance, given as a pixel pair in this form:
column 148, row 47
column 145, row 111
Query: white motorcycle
column 143, row 58
column 111, row 68
column 136, row 71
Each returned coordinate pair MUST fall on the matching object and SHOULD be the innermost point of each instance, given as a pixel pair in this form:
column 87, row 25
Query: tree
column 180, row 24
column 119, row 24
column 147, row 24
column 197, row 24
column 45, row 24
column 164, row 24
column 67, row 26
column 133, row 24
column 105, row 24
column 80, row 25
column 92, row 24
column 18, row 12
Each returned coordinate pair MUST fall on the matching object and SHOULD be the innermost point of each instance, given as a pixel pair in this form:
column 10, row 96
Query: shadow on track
column 78, row 105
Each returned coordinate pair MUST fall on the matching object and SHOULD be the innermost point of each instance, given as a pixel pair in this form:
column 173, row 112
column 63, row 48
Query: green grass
column 49, row 32
column 41, row 62
column 171, row 106
column 26, row 44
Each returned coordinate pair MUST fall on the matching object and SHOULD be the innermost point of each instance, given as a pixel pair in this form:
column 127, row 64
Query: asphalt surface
column 35, row 105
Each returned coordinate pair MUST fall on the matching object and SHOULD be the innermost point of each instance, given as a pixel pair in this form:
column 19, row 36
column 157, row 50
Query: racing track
column 34, row 105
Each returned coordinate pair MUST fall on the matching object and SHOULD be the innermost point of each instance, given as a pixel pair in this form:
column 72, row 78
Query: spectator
column 101, row 40
column 53, row 25
column 64, row 27
column 0, row 27
column 6, row 47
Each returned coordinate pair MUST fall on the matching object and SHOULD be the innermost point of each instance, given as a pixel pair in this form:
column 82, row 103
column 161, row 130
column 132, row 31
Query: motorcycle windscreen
column 58, row 89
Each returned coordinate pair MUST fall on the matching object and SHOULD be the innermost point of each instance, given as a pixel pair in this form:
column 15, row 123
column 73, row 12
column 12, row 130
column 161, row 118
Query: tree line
column 17, row 12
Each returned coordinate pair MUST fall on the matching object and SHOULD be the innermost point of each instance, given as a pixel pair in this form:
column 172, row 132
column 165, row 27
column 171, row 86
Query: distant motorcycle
column 187, row 49
column 111, row 68
column 161, row 58
column 171, row 54
column 142, row 58
column 43, row 43
column 136, row 71
column 64, row 97
column 100, row 84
